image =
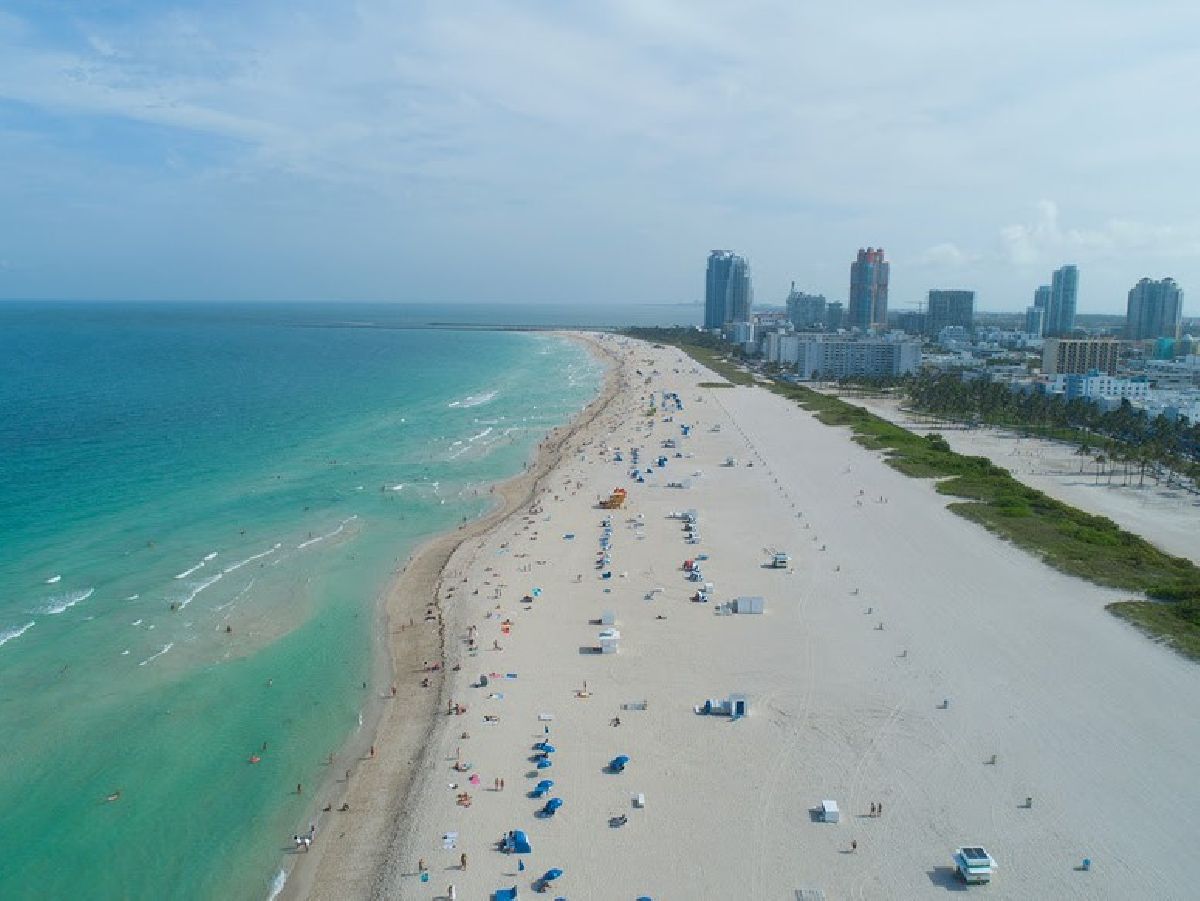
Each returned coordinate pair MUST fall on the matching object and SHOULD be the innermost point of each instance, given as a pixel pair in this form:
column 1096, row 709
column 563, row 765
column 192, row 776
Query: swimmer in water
column 115, row 796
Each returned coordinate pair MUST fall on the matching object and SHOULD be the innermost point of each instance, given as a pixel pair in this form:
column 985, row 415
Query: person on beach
column 421, row 865
column 853, row 846
column 462, row 862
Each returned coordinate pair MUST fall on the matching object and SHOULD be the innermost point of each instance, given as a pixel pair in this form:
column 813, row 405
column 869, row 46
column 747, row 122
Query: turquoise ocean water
column 170, row 472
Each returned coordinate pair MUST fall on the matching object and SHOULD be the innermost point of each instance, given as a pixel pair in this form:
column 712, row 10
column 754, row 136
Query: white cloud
column 1044, row 240
column 646, row 131
column 946, row 255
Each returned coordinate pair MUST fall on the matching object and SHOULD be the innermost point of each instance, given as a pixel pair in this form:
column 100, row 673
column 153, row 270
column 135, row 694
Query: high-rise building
column 727, row 292
column 947, row 308
column 842, row 356
column 868, row 290
column 1035, row 318
column 835, row 315
column 911, row 322
column 1064, row 291
column 1041, row 297
column 806, row 311
column 740, row 296
column 1155, row 310
column 1063, row 356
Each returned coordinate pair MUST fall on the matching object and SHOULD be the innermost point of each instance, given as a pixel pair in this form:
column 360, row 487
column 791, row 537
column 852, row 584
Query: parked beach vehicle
column 974, row 864
column 780, row 560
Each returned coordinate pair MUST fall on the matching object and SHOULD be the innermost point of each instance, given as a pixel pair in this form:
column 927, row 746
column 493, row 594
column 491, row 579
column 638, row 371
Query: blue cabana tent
column 551, row 806
column 505, row 894
column 518, row 843
column 618, row 764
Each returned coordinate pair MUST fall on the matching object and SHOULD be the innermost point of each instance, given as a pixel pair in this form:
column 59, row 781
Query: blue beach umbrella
column 618, row 763
column 552, row 874
column 545, row 785
column 552, row 806
column 545, row 747
column 544, row 763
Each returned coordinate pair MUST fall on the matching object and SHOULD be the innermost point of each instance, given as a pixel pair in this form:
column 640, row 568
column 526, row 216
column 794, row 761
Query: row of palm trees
column 1165, row 448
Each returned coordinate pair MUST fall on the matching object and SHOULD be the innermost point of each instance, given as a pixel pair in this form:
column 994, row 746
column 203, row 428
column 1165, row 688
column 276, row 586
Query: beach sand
column 1166, row 516
column 902, row 649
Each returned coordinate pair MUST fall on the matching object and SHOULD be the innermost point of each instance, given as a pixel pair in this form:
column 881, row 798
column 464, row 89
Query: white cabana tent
column 746, row 604
column 610, row 640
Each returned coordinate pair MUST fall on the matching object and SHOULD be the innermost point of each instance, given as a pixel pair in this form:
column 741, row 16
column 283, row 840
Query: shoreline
column 400, row 727
column 900, row 662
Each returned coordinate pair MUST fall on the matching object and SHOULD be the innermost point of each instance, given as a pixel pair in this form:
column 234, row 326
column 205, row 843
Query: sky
column 591, row 152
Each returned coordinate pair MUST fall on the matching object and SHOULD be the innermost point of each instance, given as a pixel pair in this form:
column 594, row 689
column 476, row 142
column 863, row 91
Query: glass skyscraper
column 728, row 295
column 868, row 290
column 1064, row 292
column 1155, row 309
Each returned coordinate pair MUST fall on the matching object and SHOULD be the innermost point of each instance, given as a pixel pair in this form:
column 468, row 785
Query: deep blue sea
column 200, row 505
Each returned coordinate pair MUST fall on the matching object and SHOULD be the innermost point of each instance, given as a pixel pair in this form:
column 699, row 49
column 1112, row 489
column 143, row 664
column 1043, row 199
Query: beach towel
column 450, row 841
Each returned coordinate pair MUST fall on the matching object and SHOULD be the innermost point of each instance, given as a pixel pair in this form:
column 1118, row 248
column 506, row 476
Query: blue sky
column 590, row 152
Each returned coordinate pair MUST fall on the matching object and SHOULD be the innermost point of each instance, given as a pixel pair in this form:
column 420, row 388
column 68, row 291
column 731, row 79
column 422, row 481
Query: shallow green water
column 177, row 471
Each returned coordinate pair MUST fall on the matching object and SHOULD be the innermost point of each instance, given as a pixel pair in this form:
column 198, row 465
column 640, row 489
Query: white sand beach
column 900, row 652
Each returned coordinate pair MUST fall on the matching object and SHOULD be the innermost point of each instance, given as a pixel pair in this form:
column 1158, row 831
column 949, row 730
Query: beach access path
column 901, row 652
column 1166, row 516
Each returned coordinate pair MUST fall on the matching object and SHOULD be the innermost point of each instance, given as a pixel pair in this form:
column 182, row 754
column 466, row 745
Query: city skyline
column 431, row 153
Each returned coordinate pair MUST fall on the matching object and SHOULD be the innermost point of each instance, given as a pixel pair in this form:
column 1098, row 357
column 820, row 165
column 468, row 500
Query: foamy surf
column 166, row 647
column 252, row 558
column 9, row 634
column 277, row 885
column 474, row 400
column 54, row 580
column 211, row 580
column 188, row 572
column 338, row 531
column 65, row 602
